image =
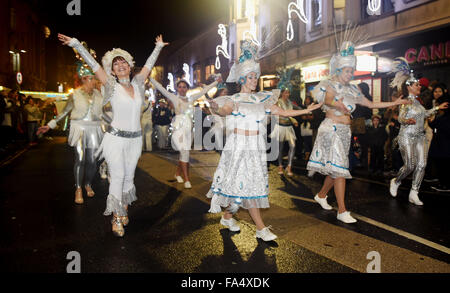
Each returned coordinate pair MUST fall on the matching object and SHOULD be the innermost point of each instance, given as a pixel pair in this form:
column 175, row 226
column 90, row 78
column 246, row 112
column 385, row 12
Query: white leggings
column 121, row 155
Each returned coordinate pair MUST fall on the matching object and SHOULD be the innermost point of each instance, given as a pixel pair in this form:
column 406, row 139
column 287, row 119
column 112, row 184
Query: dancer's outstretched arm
column 172, row 97
column 207, row 88
column 96, row 68
column 377, row 105
column 275, row 110
column 147, row 69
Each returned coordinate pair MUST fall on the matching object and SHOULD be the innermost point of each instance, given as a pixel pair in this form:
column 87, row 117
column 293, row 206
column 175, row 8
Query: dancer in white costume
column 283, row 130
column 411, row 138
column 182, row 122
column 331, row 148
column 85, row 135
column 241, row 178
column 218, row 123
column 122, row 144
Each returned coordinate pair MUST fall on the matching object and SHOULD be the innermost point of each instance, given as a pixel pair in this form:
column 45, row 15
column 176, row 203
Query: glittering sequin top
column 249, row 110
column 416, row 111
column 351, row 94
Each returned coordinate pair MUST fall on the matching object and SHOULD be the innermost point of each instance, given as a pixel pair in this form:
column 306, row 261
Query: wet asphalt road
column 171, row 231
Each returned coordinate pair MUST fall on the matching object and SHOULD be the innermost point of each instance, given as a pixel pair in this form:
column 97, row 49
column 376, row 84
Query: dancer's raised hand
column 159, row 39
column 64, row 39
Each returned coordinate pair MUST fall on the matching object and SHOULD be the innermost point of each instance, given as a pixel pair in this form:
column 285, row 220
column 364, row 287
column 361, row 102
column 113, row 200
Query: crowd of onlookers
column 20, row 117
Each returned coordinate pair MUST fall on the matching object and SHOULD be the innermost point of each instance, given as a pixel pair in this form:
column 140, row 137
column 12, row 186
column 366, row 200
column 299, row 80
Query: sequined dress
column 331, row 147
column 241, row 176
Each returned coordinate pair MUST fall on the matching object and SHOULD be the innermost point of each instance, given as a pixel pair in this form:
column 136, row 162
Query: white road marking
column 388, row 228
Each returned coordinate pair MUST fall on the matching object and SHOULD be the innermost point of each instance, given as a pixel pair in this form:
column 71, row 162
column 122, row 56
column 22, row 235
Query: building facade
column 22, row 46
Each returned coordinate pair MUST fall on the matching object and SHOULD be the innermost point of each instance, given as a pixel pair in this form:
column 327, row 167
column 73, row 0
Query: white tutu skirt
column 330, row 152
column 241, row 176
column 90, row 133
column 283, row 133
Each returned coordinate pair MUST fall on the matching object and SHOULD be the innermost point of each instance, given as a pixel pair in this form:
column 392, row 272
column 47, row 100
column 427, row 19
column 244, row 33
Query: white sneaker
column 231, row 224
column 394, row 187
column 346, row 218
column 265, row 234
column 179, row 179
column 323, row 202
column 414, row 198
column 187, row 184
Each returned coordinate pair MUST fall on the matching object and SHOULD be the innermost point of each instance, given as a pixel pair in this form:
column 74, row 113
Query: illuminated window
column 386, row 7
column 339, row 11
column 197, row 74
column 209, row 69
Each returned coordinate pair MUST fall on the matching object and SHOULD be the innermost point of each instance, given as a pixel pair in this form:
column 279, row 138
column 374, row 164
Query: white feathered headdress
column 350, row 38
column 110, row 55
column 403, row 73
column 251, row 53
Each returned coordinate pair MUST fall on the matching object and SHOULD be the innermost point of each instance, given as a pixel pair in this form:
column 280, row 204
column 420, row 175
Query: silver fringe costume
column 412, row 142
column 85, row 133
column 331, row 148
column 122, row 144
column 241, row 178
column 284, row 131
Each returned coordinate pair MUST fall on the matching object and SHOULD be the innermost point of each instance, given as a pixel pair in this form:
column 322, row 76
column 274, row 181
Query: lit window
column 209, row 69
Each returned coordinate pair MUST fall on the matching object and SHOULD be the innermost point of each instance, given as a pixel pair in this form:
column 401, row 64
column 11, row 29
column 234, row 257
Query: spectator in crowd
column 318, row 117
column 162, row 117
column 361, row 118
column 440, row 150
column 439, row 96
column 425, row 96
column 305, row 128
column 376, row 138
column 147, row 125
column 33, row 117
column 49, row 112
column 3, row 130
column 390, row 119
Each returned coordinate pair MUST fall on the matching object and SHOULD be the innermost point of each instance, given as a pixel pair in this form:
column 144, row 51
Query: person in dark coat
column 440, row 149
column 376, row 139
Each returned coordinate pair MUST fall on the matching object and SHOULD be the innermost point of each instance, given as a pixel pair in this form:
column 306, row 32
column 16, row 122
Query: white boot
column 323, row 202
column 187, row 185
column 394, row 187
column 414, row 198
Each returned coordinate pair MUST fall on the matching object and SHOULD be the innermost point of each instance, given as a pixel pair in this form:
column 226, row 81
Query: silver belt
column 122, row 133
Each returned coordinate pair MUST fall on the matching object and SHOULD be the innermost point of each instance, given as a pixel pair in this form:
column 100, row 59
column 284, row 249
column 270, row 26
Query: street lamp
column 16, row 59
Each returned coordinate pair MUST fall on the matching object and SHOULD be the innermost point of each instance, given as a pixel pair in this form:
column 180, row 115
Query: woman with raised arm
column 85, row 135
column 331, row 148
column 411, row 138
column 122, row 143
column 182, row 122
column 241, row 178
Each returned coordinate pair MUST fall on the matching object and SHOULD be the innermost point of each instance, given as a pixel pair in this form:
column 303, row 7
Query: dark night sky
column 130, row 24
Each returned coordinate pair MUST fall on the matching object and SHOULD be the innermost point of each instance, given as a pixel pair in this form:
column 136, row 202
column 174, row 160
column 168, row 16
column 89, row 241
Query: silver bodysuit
column 412, row 142
column 85, row 133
